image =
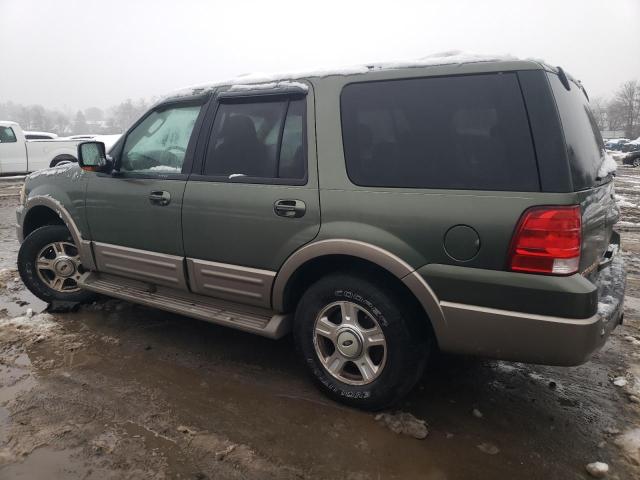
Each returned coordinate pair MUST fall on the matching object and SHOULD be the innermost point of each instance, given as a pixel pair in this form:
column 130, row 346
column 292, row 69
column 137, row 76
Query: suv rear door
column 252, row 198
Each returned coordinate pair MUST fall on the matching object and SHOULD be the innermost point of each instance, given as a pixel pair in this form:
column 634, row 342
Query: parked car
column 39, row 135
column 19, row 154
column 616, row 144
column 632, row 158
column 631, row 146
column 328, row 205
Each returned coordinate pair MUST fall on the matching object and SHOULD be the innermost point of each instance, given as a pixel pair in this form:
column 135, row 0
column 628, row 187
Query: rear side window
column 464, row 132
column 585, row 147
column 7, row 135
column 258, row 140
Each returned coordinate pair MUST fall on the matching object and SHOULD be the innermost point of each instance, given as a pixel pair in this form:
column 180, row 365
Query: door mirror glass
column 92, row 157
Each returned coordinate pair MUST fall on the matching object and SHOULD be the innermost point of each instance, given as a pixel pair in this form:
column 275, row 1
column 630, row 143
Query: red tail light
column 548, row 241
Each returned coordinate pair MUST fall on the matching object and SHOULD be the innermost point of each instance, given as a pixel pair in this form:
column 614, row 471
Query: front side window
column 259, row 140
column 461, row 132
column 7, row 135
column 159, row 143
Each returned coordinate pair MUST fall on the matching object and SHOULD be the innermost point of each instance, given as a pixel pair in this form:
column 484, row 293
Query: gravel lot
column 115, row 390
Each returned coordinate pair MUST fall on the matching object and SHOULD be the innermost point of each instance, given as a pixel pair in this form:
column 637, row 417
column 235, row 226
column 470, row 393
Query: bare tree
column 94, row 114
column 624, row 109
column 80, row 126
column 599, row 109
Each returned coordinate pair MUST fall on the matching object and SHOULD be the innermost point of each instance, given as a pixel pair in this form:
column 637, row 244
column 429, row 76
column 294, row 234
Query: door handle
column 160, row 198
column 290, row 208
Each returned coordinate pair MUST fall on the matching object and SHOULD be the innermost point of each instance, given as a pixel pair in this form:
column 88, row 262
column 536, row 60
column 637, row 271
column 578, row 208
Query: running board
column 242, row 317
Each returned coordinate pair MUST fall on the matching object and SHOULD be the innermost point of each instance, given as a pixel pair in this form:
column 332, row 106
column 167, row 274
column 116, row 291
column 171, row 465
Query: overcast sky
column 82, row 53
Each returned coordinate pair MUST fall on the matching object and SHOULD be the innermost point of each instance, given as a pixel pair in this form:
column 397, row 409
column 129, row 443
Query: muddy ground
column 115, row 390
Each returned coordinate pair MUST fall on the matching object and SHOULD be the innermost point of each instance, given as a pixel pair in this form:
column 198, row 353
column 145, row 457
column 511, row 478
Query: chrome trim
column 153, row 267
column 232, row 282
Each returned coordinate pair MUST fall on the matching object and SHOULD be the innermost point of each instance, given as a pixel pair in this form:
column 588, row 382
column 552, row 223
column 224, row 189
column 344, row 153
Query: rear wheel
column 636, row 162
column 49, row 265
column 360, row 342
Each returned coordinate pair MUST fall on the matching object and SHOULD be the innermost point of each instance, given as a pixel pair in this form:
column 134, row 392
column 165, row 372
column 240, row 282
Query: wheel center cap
column 64, row 267
column 349, row 344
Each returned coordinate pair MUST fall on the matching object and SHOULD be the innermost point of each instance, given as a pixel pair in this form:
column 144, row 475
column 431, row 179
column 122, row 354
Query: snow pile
column 405, row 423
column 607, row 305
column 608, row 166
column 619, row 381
column 597, row 469
column 488, row 448
column 629, row 443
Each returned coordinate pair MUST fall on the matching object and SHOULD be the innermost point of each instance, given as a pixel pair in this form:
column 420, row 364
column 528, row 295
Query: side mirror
column 92, row 157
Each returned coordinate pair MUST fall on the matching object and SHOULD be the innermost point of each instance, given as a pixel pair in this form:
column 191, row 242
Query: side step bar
column 247, row 318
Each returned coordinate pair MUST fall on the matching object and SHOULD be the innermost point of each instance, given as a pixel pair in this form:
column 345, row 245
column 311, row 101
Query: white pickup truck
column 19, row 155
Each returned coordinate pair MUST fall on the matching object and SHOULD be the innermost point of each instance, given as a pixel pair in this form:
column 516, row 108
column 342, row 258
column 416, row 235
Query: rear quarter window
column 460, row 132
column 585, row 147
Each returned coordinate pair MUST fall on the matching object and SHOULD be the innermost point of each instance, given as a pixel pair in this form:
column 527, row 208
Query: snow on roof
column 454, row 57
column 269, row 85
column 31, row 132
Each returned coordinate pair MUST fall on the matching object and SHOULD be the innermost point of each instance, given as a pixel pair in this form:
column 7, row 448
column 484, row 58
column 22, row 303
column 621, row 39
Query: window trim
column 200, row 100
column 411, row 188
column 251, row 97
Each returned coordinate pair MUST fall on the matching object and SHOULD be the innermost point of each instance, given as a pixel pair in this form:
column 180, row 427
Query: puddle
column 45, row 463
column 15, row 378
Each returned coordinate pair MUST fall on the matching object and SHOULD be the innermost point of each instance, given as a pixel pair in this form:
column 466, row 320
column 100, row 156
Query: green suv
column 377, row 213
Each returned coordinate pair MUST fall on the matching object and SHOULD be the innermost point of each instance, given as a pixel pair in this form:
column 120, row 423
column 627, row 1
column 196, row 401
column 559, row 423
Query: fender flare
column 84, row 246
column 376, row 255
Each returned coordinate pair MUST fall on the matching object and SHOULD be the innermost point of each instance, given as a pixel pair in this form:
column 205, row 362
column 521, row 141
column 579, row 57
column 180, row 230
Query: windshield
column 585, row 147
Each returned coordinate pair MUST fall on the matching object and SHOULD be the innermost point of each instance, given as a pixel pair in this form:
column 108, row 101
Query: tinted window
column 7, row 135
column 466, row 132
column 159, row 143
column 585, row 147
column 31, row 136
column 259, row 140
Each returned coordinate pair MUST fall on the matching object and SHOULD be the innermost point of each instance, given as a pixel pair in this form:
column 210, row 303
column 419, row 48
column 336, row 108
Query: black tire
column 636, row 162
column 61, row 159
column 407, row 341
column 27, row 254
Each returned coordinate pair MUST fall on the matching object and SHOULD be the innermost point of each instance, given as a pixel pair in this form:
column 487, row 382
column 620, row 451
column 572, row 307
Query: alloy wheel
column 58, row 266
column 350, row 343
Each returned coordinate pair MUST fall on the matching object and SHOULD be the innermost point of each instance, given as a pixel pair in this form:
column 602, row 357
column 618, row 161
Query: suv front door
column 134, row 215
column 253, row 197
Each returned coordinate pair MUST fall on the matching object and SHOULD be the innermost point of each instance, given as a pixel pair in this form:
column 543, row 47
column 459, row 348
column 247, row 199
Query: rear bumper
column 536, row 338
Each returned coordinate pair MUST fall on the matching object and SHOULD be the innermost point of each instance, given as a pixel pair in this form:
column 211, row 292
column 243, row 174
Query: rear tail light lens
column 547, row 241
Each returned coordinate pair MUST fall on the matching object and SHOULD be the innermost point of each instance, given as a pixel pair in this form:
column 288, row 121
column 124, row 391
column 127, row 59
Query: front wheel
column 49, row 265
column 362, row 344
column 636, row 162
